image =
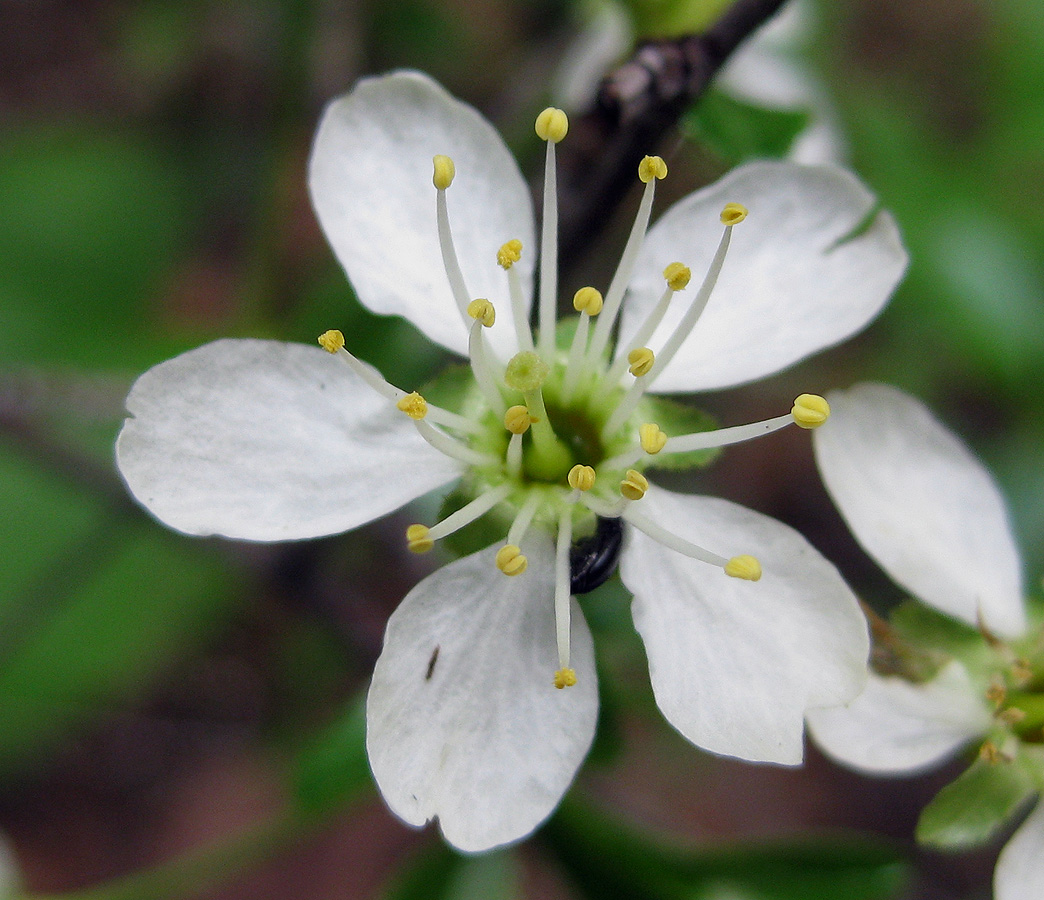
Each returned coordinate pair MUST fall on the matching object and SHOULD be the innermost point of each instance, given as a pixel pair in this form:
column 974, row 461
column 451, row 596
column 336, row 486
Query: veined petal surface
column 796, row 278
column 735, row 664
column 370, row 179
column 922, row 505
column 463, row 720
column 1020, row 868
column 268, row 441
column 895, row 726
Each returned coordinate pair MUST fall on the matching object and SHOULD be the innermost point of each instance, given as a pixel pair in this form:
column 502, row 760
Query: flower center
column 557, row 436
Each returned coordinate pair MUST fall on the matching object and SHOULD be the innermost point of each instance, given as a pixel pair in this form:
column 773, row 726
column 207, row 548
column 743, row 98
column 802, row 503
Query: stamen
column 509, row 254
column 672, row 541
column 511, row 560
column 453, row 448
column 649, row 170
column 516, row 420
column 481, row 505
column 677, row 277
column 588, row 302
column 581, row 478
column 745, row 567
column 551, row 126
column 333, row 342
column 641, row 360
column 417, row 539
column 810, row 411
column 524, row 519
column 699, row 302
column 483, row 312
column 723, row 437
column 414, row 405
column 562, row 596
column 442, row 179
column 565, row 678
column 652, row 438
column 603, row 508
column 634, row 485
column 478, row 356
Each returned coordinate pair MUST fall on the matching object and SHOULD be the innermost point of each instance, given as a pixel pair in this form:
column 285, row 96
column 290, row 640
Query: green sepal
column 736, row 131
column 941, row 636
column 970, row 810
column 677, row 419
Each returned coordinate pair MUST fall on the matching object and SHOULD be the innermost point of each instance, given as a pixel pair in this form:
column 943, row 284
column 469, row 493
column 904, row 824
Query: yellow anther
column 588, row 300
column 990, row 753
column 417, row 540
column 733, row 214
column 517, row 419
column 1012, row 715
column 552, row 125
column 641, row 360
column 510, row 253
column 482, row 311
column 444, row 171
column 677, row 276
column 565, row 678
column 511, row 561
column 634, row 485
column 581, row 478
column 331, row 341
column 651, row 438
column 1021, row 672
column 745, row 567
column 997, row 692
column 414, row 405
column 526, row 372
column 810, row 411
column 652, row 167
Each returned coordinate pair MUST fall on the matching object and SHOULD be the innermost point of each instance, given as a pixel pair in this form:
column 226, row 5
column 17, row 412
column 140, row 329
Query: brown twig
column 637, row 104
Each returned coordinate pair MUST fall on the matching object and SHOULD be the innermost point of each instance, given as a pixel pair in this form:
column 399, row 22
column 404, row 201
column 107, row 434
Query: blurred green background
column 155, row 690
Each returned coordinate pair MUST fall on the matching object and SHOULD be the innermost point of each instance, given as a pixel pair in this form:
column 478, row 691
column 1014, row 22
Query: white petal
column 736, row 664
column 370, row 180
column 268, row 441
column 922, row 505
column 895, row 726
column 788, row 287
column 487, row 743
column 1020, row 868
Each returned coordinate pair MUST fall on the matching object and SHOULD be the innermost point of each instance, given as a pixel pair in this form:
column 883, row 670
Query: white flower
column 928, row 511
column 269, row 441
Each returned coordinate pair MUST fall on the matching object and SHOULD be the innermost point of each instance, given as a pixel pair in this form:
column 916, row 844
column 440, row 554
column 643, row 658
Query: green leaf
column 606, row 859
column 331, row 770
column 93, row 221
column 675, row 419
column 929, row 629
column 971, row 809
column 737, row 131
column 142, row 597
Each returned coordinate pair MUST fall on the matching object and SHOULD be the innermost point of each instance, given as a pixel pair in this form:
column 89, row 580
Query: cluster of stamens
column 560, row 438
column 1016, row 694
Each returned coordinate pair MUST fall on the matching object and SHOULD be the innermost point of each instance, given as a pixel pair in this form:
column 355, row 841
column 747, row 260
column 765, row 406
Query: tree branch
column 637, row 104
